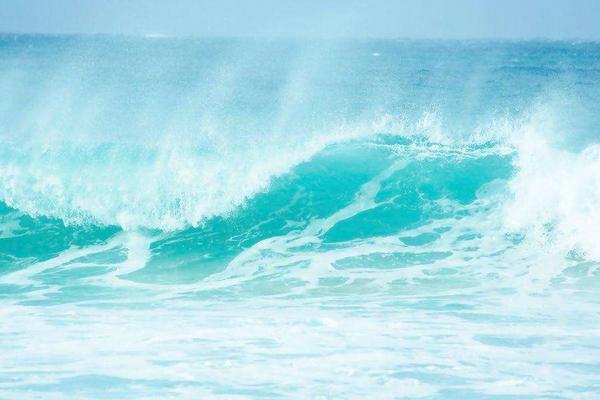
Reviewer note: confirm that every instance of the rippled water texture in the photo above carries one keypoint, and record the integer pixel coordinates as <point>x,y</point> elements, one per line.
<point>185,219</point>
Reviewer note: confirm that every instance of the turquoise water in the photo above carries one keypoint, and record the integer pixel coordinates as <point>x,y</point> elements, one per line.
<point>227,218</point>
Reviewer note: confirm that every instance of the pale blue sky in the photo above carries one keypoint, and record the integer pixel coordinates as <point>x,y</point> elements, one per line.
<point>555,19</point>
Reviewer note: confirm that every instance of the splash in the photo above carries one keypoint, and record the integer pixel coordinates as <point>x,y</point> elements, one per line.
<point>555,192</point>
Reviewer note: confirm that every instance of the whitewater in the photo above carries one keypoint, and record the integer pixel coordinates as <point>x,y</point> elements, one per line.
<point>186,218</point>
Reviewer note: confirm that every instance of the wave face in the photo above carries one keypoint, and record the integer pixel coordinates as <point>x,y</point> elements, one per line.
<point>260,219</point>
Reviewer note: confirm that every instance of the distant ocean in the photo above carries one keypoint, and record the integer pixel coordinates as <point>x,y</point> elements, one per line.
<point>330,219</point>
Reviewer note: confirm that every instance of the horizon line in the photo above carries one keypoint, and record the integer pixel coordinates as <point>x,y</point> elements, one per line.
<point>156,35</point>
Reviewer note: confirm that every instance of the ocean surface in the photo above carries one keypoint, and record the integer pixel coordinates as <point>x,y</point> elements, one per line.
<point>190,218</point>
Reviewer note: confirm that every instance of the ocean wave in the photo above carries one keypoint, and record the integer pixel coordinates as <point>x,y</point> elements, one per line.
<point>549,194</point>
<point>185,209</point>
<point>166,185</point>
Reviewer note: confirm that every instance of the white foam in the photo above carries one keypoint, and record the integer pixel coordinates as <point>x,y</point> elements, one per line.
<point>555,192</point>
